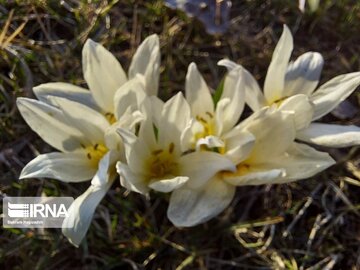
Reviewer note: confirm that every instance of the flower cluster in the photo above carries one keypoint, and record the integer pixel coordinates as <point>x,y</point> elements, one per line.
<point>194,146</point>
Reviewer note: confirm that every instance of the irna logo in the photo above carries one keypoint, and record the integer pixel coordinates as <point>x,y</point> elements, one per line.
<point>34,210</point>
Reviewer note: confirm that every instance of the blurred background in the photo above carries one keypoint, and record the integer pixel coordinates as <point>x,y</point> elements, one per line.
<point>311,224</point>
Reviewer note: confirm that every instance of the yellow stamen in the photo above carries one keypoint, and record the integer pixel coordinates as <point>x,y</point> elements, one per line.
<point>222,150</point>
<point>95,152</point>
<point>110,117</point>
<point>208,124</point>
<point>161,162</point>
<point>209,129</point>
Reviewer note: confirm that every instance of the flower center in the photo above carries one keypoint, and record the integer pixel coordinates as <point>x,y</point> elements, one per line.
<point>161,162</point>
<point>110,117</point>
<point>95,152</point>
<point>209,129</point>
<point>208,124</point>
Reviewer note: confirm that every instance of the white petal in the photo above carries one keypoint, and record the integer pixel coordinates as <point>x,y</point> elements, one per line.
<point>274,132</point>
<point>201,166</point>
<point>275,77</point>
<point>220,112</point>
<point>146,61</point>
<point>302,107</point>
<point>330,135</point>
<point>157,105</point>
<point>175,117</point>
<point>300,162</point>
<point>209,142</point>
<point>103,74</point>
<point>257,175</point>
<point>197,92</point>
<point>190,207</point>
<point>91,123</point>
<point>253,95</point>
<point>254,117</point>
<point>188,136</point>
<point>130,94</point>
<point>81,212</point>
<point>50,124</point>
<point>168,185</point>
<point>129,120</point>
<point>137,151</point>
<point>303,75</point>
<point>230,65</point>
<point>235,92</point>
<point>106,168</point>
<point>66,167</point>
<point>302,5</point>
<point>332,93</point>
<point>128,138</point>
<point>239,146</point>
<point>147,133</point>
<point>148,110</point>
<point>131,180</point>
<point>65,90</point>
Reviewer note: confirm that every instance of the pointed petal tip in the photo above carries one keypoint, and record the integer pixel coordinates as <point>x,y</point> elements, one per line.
<point>153,38</point>
<point>286,28</point>
<point>24,100</point>
<point>317,55</point>
<point>179,96</point>
<point>19,101</point>
<point>90,43</point>
<point>74,243</point>
<point>23,175</point>
<point>89,46</point>
<point>286,34</point>
<point>192,66</point>
<point>228,64</point>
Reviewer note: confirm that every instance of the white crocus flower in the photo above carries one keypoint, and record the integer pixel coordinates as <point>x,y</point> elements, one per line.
<point>291,85</point>
<point>274,158</point>
<point>154,157</point>
<point>212,130</point>
<point>211,125</point>
<point>112,94</point>
<point>106,78</point>
<point>86,152</point>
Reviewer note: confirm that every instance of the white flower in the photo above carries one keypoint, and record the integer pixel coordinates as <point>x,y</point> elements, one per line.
<point>88,151</point>
<point>274,158</point>
<point>291,87</point>
<point>211,130</point>
<point>211,124</point>
<point>154,158</point>
<point>77,115</point>
<point>106,78</point>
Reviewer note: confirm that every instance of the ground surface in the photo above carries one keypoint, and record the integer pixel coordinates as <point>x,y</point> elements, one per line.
<point>311,224</point>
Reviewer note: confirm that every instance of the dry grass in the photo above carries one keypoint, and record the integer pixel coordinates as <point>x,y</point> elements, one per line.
<point>311,224</point>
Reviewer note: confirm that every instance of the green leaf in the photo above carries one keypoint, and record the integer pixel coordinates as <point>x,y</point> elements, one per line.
<point>218,92</point>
